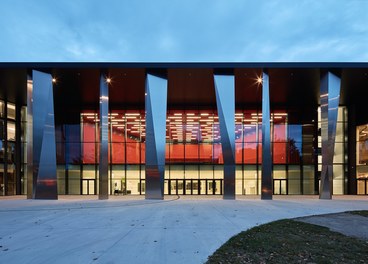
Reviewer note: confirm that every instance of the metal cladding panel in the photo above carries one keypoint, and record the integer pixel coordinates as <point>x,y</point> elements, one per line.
<point>44,148</point>
<point>156,105</point>
<point>225,100</point>
<point>266,189</point>
<point>104,137</point>
<point>330,97</point>
<point>29,138</point>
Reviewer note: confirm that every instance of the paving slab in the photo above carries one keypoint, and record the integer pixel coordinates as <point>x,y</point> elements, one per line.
<point>344,223</point>
<point>133,230</point>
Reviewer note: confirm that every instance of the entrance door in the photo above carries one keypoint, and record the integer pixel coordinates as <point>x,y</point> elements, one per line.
<point>176,187</point>
<point>88,186</point>
<point>280,187</point>
<point>218,186</point>
<point>191,187</point>
<point>195,186</point>
<point>204,187</point>
<point>362,185</point>
<point>180,187</point>
<point>210,187</point>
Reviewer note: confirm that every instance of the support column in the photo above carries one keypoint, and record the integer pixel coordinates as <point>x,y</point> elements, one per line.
<point>352,144</point>
<point>18,148</point>
<point>104,138</point>
<point>330,97</point>
<point>156,101</point>
<point>41,147</point>
<point>266,188</point>
<point>29,138</point>
<point>225,100</point>
<point>5,146</point>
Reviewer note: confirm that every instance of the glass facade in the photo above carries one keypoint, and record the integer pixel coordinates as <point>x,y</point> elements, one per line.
<point>194,162</point>
<point>362,159</point>
<point>12,149</point>
<point>340,159</point>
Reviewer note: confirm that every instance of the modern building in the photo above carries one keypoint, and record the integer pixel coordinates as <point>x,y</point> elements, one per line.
<point>158,129</point>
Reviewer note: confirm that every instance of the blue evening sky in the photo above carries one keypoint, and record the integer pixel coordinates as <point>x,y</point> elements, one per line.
<point>186,30</point>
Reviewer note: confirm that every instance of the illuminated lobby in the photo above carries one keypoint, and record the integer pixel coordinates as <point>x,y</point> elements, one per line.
<point>156,129</point>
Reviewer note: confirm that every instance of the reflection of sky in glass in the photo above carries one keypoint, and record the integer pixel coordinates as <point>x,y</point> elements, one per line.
<point>295,133</point>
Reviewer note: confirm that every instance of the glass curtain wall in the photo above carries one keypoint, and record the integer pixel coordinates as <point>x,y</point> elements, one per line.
<point>194,162</point>
<point>362,159</point>
<point>340,158</point>
<point>193,153</point>
<point>9,123</point>
<point>126,152</point>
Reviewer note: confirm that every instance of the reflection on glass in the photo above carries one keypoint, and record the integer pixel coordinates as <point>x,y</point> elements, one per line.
<point>193,150</point>
<point>2,130</point>
<point>11,110</point>
<point>279,153</point>
<point>11,131</point>
<point>2,108</point>
<point>295,133</point>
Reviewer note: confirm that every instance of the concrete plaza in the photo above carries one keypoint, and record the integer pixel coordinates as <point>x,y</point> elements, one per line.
<point>129,229</point>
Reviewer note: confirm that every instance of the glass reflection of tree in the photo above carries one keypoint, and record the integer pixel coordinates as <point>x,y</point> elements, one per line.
<point>294,152</point>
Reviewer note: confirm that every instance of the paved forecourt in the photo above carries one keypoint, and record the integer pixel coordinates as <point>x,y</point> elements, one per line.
<point>129,229</point>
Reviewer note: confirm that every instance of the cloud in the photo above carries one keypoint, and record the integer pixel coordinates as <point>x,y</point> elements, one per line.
<point>208,30</point>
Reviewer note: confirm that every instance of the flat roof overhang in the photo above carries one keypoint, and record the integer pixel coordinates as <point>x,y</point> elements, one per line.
<point>166,65</point>
<point>292,84</point>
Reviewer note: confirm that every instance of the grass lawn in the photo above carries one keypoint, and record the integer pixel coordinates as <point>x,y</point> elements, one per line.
<point>289,241</point>
<point>362,213</point>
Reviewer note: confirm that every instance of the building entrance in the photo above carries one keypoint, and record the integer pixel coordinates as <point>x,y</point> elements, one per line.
<point>280,186</point>
<point>195,187</point>
<point>362,186</point>
<point>88,186</point>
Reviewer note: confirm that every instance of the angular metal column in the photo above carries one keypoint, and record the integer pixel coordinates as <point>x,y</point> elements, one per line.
<point>29,137</point>
<point>330,97</point>
<point>42,179</point>
<point>225,100</point>
<point>156,100</point>
<point>266,188</point>
<point>104,137</point>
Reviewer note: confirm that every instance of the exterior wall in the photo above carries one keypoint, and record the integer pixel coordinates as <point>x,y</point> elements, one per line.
<point>193,152</point>
<point>12,141</point>
<point>194,161</point>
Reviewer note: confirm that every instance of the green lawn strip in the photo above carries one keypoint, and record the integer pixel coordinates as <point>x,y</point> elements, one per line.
<point>361,213</point>
<point>289,241</point>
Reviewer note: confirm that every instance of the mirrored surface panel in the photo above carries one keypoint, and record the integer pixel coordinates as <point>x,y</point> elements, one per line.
<point>104,137</point>
<point>156,98</point>
<point>330,97</point>
<point>225,100</point>
<point>266,189</point>
<point>44,148</point>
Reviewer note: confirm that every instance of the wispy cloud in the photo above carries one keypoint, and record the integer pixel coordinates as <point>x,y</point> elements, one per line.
<point>208,30</point>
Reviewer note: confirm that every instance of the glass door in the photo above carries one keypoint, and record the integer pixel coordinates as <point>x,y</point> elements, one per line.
<point>280,187</point>
<point>195,187</point>
<point>180,187</point>
<point>88,186</point>
<point>204,187</point>
<point>217,187</point>
<point>362,185</point>
<point>173,187</point>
